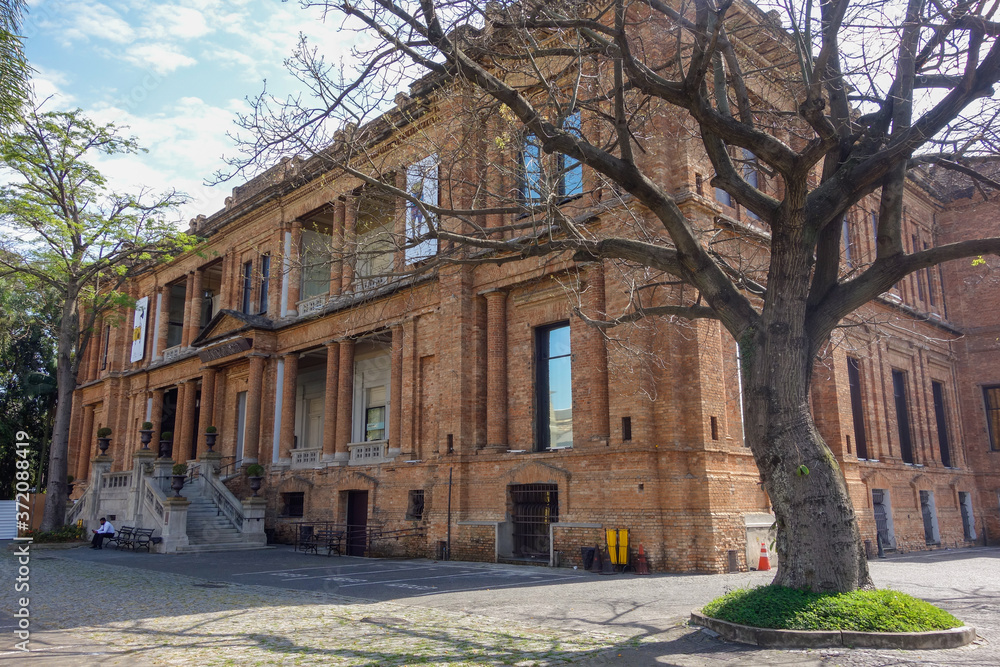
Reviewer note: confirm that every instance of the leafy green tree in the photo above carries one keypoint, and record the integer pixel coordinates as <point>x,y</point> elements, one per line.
<point>15,71</point>
<point>71,233</point>
<point>27,377</point>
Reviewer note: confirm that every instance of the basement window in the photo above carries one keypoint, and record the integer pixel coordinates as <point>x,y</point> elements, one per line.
<point>415,506</point>
<point>293,504</point>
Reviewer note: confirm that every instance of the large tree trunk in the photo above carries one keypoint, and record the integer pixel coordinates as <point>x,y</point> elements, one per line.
<point>57,490</point>
<point>818,541</point>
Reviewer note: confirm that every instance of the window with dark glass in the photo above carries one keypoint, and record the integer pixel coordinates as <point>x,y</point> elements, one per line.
<point>293,503</point>
<point>107,343</point>
<point>857,407</point>
<point>553,387</point>
<point>247,286</point>
<point>902,416</point>
<point>937,390</point>
<point>992,397</point>
<point>175,313</point>
<point>750,175</point>
<point>415,505</point>
<point>265,281</point>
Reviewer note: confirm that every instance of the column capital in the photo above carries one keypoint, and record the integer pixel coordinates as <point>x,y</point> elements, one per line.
<point>331,342</point>
<point>493,292</point>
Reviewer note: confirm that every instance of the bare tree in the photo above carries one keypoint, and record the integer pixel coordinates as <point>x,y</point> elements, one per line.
<point>802,113</point>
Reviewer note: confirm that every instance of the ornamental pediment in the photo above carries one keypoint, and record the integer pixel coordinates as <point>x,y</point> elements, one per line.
<point>229,323</point>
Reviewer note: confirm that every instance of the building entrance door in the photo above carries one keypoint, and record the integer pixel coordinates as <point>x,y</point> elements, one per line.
<point>357,522</point>
<point>535,506</point>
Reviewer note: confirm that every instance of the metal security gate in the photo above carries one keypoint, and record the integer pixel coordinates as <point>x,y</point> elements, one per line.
<point>881,517</point>
<point>535,506</point>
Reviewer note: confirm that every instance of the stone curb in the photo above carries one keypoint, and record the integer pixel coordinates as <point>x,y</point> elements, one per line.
<point>769,638</point>
<point>43,546</point>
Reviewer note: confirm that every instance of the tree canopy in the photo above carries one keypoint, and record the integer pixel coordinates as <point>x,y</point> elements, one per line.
<point>78,239</point>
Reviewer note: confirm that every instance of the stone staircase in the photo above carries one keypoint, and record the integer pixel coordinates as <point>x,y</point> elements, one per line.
<point>208,529</point>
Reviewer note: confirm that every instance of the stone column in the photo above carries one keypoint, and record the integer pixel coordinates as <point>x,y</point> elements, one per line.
<point>162,323</point>
<point>156,416</point>
<point>330,401</point>
<point>496,369</point>
<point>286,439</point>
<point>207,407</point>
<point>350,223</point>
<point>396,391</point>
<point>295,269</point>
<point>345,399</point>
<point>186,408</point>
<point>195,305</point>
<point>86,444</point>
<point>174,531</point>
<point>188,298</point>
<point>251,440</point>
<point>337,265</point>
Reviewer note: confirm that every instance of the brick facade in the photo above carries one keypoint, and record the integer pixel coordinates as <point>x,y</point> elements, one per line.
<point>388,389</point>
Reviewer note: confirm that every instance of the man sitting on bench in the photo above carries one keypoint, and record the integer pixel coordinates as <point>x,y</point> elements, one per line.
<point>104,532</point>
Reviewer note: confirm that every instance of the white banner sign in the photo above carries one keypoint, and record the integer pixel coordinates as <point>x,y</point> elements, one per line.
<point>139,328</point>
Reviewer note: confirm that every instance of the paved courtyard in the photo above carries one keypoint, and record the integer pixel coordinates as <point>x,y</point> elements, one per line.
<point>277,606</point>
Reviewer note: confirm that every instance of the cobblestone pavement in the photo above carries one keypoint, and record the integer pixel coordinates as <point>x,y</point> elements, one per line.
<point>86,611</point>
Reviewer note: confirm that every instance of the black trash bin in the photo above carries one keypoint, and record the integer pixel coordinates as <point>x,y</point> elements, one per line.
<point>587,553</point>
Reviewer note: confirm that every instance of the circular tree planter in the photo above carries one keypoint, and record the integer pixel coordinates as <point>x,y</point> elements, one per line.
<point>771,638</point>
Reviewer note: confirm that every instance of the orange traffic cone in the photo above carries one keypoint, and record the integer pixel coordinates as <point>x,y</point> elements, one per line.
<point>764,564</point>
<point>642,567</point>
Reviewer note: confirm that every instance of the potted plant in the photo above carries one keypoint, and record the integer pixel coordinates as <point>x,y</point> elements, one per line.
<point>179,474</point>
<point>165,443</point>
<point>103,439</point>
<point>146,434</point>
<point>211,433</point>
<point>255,473</point>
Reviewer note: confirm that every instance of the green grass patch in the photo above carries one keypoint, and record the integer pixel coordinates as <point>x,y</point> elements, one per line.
<point>864,611</point>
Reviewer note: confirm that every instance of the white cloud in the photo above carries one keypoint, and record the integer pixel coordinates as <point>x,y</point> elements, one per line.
<point>52,84</point>
<point>161,58</point>
<point>89,20</point>
<point>164,22</point>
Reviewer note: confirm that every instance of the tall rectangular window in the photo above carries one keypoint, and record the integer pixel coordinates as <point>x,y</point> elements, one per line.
<point>847,244</point>
<point>919,275</point>
<point>857,407</point>
<point>247,286</point>
<point>992,397</point>
<point>175,313</point>
<point>553,387</point>
<point>316,257</point>
<point>107,344</point>
<point>937,389</point>
<point>902,416</point>
<point>571,178</point>
<point>532,173</point>
<point>421,184</point>
<point>750,175</point>
<point>265,283</point>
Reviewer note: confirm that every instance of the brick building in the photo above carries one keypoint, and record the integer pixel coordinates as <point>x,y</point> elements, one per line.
<point>469,403</point>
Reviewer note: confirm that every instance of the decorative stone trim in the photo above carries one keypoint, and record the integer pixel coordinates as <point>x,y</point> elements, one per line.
<point>368,453</point>
<point>770,638</point>
<point>306,458</point>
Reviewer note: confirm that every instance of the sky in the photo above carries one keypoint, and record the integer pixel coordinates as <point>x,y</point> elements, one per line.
<point>176,72</point>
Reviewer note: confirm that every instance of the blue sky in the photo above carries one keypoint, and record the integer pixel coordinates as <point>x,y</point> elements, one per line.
<point>175,72</point>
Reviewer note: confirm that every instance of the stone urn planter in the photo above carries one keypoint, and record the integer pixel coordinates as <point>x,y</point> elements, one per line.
<point>177,478</point>
<point>166,444</point>
<point>103,439</point>
<point>255,475</point>
<point>211,433</point>
<point>146,434</point>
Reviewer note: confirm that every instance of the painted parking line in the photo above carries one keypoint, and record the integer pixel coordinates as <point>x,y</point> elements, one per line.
<point>480,588</point>
<point>443,576</point>
<point>333,571</point>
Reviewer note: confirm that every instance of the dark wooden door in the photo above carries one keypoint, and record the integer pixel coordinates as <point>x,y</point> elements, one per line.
<point>357,522</point>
